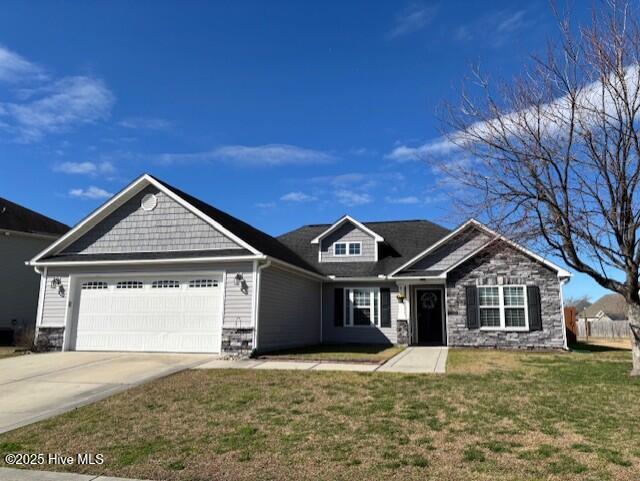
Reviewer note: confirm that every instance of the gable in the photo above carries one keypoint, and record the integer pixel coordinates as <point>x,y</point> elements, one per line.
<point>347,233</point>
<point>168,227</point>
<point>449,254</point>
<point>500,262</point>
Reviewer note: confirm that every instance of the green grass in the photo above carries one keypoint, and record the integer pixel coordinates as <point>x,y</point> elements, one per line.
<point>371,353</point>
<point>497,416</point>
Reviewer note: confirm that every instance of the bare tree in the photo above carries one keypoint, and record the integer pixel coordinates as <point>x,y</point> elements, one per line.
<point>553,156</point>
<point>580,303</point>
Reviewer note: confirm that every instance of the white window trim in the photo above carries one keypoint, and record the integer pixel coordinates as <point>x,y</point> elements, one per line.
<point>501,307</point>
<point>348,307</point>
<point>347,245</point>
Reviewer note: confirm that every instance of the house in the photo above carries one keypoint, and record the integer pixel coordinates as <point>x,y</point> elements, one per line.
<point>23,233</point>
<point>610,307</point>
<point>155,269</point>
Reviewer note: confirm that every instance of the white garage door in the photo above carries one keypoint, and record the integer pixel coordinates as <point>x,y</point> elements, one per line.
<point>156,314</point>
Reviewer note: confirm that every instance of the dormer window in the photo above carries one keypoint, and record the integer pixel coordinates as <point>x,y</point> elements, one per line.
<point>347,248</point>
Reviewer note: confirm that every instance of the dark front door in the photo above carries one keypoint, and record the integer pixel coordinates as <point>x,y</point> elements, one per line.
<point>429,315</point>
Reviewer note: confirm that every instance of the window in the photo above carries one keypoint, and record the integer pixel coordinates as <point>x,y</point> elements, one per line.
<point>165,284</point>
<point>362,307</point>
<point>196,283</point>
<point>503,307</point>
<point>129,285</point>
<point>347,248</point>
<point>94,285</point>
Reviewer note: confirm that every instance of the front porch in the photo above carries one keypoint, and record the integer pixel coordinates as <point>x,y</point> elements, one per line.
<point>421,318</point>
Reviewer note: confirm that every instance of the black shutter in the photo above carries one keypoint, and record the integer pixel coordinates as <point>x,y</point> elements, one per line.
<point>338,299</point>
<point>385,307</point>
<point>535,308</point>
<point>472,307</point>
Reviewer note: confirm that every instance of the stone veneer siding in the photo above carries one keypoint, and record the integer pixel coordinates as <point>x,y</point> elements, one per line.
<point>49,339</point>
<point>237,341</point>
<point>403,332</point>
<point>502,264</point>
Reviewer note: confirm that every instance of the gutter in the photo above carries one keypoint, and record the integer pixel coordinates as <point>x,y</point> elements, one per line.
<point>148,261</point>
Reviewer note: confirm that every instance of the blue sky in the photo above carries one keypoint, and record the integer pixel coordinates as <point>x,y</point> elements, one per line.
<point>281,113</point>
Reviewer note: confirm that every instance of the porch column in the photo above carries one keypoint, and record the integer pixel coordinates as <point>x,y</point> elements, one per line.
<point>403,318</point>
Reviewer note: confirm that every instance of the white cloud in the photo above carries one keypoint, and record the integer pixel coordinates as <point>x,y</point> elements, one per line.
<point>412,199</point>
<point>68,102</point>
<point>413,18</point>
<point>14,68</point>
<point>297,197</point>
<point>360,151</point>
<point>359,180</point>
<point>145,123</point>
<point>350,198</point>
<point>86,168</point>
<point>494,28</point>
<point>91,192</point>
<point>266,205</point>
<point>404,153</point>
<point>262,155</point>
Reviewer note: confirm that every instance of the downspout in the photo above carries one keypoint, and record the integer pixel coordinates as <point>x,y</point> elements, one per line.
<point>564,325</point>
<point>257,305</point>
<point>321,309</point>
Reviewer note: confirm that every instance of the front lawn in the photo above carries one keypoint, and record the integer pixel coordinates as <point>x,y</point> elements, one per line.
<point>370,353</point>
<point>495,416</point>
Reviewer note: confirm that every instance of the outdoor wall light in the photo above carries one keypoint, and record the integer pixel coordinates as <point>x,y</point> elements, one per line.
<point>239,281</point>
<point>56,283</point>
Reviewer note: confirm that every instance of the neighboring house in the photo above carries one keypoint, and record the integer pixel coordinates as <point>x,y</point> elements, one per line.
<point>610,307</point>
<point>23,233</point>
<point>155,269</point>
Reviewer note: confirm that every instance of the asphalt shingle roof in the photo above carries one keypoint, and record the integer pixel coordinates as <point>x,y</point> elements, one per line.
<point>20,219</point>
<point>613,305</point>
<point>404,240</point>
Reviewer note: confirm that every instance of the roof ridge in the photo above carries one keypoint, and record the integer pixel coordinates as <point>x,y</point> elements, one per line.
<point>371,222</point>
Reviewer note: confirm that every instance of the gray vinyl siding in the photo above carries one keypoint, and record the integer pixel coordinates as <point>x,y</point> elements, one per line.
<point>168,227</point>
<point>54,304</point>
<point>19,283</point>
<point>451,252</point>
<point>348,233</point>
<point>289,314</point>
<point>238,304</point>
<point>366,335</point>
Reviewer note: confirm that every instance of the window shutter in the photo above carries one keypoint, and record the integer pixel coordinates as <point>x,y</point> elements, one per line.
<point>472,308</point>
<point>535,308</point>
<point>385,307</point>
<point>338,300</point>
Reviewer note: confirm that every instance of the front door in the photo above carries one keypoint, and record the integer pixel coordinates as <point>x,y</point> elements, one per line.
<point>429,315</point>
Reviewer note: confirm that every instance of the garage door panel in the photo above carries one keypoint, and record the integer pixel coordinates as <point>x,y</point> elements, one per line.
<point>147,318</point>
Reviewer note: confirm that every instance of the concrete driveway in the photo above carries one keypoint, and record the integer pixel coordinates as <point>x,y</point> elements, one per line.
<point>39,386</point>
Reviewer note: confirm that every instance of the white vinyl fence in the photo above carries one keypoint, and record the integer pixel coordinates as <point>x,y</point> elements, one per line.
<point>604,329</point>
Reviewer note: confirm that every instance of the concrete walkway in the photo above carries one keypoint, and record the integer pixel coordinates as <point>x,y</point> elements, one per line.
<point>39,386</point>
<point>418,359</point>
<point>10,474</point>
<point>414,359</point>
